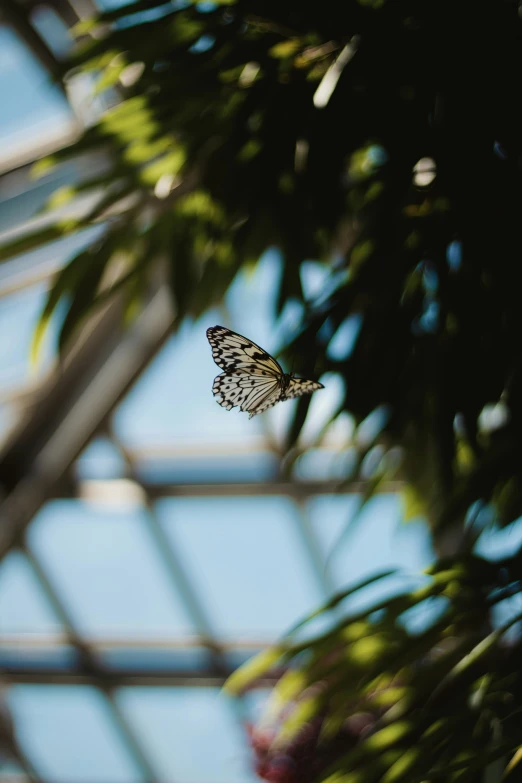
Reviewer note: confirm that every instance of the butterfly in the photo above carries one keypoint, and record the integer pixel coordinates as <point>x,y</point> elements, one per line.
<point>251,378</point>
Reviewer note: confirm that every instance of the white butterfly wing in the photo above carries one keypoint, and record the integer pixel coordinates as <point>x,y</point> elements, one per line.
<point>252,379</point>
<point>299,386</point>
<point>252,393</point>
<point>235,354</point>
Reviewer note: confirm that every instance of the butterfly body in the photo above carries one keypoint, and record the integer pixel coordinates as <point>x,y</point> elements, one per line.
<point>251,378</point>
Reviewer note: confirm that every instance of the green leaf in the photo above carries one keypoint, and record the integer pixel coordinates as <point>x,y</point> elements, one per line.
<point>110,198</point>
<point>413,504</point>
<point>30,240</point>
<point>215,279</point>
<point>403,767</point>
<point>182,272</point>
<point>111,73</point>
<point>389,736</point>
<point>347,777</point>
<point>255,668</point>
<point>78,283</point>
<point>285,49</point>
<point>368,651</point>
<point>389,696</point>
<point>171,163</point>
<point>82,301</point>
<point>64,283</point>
<point>288,688</point>
<point>514,762</point>
<point>43,166</point>
<point>341,596</point>
<point>479,651</point>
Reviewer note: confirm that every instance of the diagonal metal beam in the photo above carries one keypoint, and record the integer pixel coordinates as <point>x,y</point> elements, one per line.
<point>91,671</point>
<point>72,408</point>
<point>179,579</point>
<point>10,749</point>
<point>182,585</point>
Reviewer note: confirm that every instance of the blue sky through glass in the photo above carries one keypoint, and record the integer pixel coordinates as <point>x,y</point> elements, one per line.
<point>247,560</point>
<point>23,607</point>
<point>377,539</point>
<point>173,401</point>
<point>105,567</point>
<point>69,734</point>
<point>32,107</point>
<point>190,732</point>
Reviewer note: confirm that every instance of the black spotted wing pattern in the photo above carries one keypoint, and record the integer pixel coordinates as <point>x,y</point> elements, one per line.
<point>234,353</point>
<point>252,379</point>
<point>299,386</point>
<point>252,393</point>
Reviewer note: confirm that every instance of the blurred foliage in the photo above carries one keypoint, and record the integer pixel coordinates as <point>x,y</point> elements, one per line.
<point>382,139</point>
<point>373,698</point>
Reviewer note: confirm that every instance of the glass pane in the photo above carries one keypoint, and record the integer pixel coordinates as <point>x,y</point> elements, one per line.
<point>209,468</point>
<point>23,606</point>
<point>100,460</point>
<point>255,702</point>
<point>356,547</point>
<point>246,559</point>
<point>52,29</point>
<point>33,108</point>
<point>191,734</point>
<point>251,299</point>
<point>173,400</point>
<point>68,734</point>
<point>324,464</point>
<point>107,571</point>
<point>21,306</point>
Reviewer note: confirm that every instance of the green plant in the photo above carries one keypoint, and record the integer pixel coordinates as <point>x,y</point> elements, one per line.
<point>384,140</point>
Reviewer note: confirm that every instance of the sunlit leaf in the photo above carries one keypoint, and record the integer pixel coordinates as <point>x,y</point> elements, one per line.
<point>64,283</point>
<point>291,684</point>
<point>413,504</point>
<point>285,48</point>
<point>389,736</point>
<point>170,163</point>
<point>514,761</point>
<point>255,668</point>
